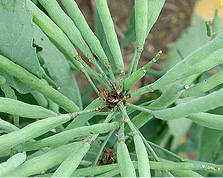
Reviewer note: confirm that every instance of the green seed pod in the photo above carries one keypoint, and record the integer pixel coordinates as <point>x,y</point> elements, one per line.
<point>12,163</point>
<point>124,161</point>
<point>2,80</point>
<point>196,105</point>
<point>216,25</point>
<point>45,161</point>
<point>168,97</point>
<point>67,25</point>
<point>55,34</point>
<point>32,130</point>
<point>19,108</point>
<point>137,75</point>
<point>205,85</point>
<point>212,121</point>
<point>79,20</point>
<point>66,136</point>
<point>51,30</point>
<point>41,100</point>
<point>111,37</point>
<point>111,173</point>
<point>141,20</point>
<point>187,173</point>
<point>199,61</point>
<point>34,82</point>
<point>7,126</point>
<point>72,162</point>
<point>142,157</point>
<point>82,172</point>
<point>208,28</point>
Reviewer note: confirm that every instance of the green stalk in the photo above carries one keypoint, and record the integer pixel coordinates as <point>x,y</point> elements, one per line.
<point>164,165</point>
<point>137,75</point>
<point>139,108</point>
<point>86,74</point>
<point>103,81</point>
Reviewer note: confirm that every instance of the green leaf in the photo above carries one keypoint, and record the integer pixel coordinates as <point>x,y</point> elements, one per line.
<point>57,66</point>
<point>16,35</point>
<point>192,38</point>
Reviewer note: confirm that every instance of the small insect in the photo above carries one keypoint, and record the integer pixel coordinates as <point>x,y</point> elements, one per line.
<point>108,156</point>
<point>111,98</point>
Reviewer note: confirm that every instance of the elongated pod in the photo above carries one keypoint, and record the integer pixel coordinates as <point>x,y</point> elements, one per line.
<point>36,83</point>
<point>79,20</point>
<point>32,130</point>
<point>45,161</point>
<point>204,58</point>
<point>67,25</point>
<point>72,162</point>
<point>7,126</point>
<point>124,161</point>
<point>141,21</point>
<point>194,61</point>
<point>196,105</point>
<point>212,121</point>
<point>66,136</point>
<point>12,163</point>
<point>142,157</point>
<point>111,37</point>
<point>205,85</point>
<point>51,30</point>
<point>137,75</point>
<point>19,108</point>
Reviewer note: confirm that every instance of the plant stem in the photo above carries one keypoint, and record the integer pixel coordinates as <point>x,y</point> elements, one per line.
<point>92,72</point>
<point>139,108</point>
<point>179,158</point>
<point>98,67</point>
<point>73,115</point>
<point>142,90</point>
<point>85,73</point>
<point>135,60</point>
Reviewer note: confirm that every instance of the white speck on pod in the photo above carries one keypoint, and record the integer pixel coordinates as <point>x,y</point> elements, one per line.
<point>23,5</point>
<point>58,88</point>
<point>186,86</point>
<point>203,166</point>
